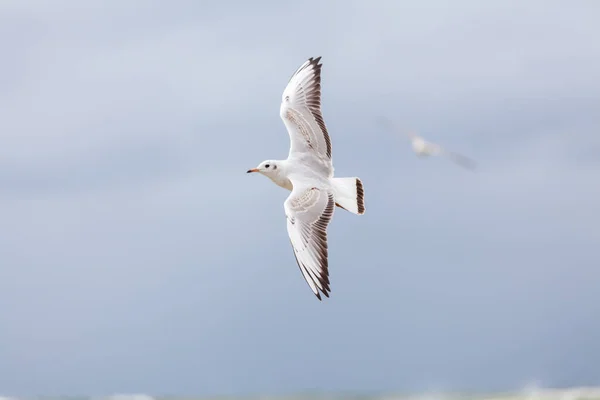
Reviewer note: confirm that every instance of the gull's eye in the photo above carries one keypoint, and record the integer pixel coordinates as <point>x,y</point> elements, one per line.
<point>267,166</point>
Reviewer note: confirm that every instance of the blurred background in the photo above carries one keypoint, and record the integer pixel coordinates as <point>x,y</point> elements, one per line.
<point>137,256</point>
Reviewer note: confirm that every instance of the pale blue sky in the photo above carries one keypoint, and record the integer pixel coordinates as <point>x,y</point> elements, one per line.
<point>136,255</point>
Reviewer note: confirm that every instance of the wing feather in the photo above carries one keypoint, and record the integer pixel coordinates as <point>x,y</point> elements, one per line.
<point>309,212</point>
<point>301,113</point>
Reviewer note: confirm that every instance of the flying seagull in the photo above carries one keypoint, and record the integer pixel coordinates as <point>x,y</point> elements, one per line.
<point>308,174</point>
<point>423,148</point>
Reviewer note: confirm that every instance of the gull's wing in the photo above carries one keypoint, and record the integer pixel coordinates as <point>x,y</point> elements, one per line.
<point>301,113</point>
<point>461,160</point>
<point>309,211</point>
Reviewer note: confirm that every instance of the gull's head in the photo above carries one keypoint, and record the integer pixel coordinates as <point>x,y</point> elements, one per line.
<point>268,168</point>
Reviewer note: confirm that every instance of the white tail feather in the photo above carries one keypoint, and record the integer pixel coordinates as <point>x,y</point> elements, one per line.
<point>349,194</point>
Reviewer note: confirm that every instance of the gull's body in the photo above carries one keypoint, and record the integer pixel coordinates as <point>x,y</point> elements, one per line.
<point>424,148</point>
<point>308,174</point>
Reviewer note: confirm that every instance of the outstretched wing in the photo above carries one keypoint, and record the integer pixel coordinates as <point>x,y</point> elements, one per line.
<point>309,211</point>
<point>461,160</point>
<point>301,113</point>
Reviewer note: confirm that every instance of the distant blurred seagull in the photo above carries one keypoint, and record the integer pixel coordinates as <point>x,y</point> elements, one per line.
<point>308,173</point>
<point>423,148</point>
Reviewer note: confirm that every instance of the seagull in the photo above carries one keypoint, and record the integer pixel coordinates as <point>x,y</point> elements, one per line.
<point>308,174</point>
<point>423,148</point>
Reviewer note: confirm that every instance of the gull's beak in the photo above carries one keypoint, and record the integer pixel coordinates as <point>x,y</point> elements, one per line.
<point>252,170</point>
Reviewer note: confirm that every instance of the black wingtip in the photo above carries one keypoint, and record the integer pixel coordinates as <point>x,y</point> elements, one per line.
<point>318,294</point>
<point>315,60</point>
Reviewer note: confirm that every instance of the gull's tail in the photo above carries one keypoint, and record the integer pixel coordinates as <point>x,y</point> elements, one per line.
<point>349,194</point>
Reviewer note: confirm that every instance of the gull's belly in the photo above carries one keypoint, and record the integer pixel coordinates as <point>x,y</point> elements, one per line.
<point>310,166</point>
<point>311,179</point>
<point>284,183</point>
<point>310,171</point>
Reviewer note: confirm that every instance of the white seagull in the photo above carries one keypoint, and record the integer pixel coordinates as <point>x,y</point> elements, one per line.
<point>308,174</point>
<point>423,148</point>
